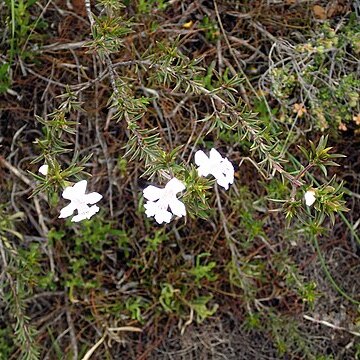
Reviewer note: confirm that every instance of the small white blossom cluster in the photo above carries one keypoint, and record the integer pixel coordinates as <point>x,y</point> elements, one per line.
<point>221,168</point>
<point>160,200</point>
<point>79,201</point>
<point>161,204</point>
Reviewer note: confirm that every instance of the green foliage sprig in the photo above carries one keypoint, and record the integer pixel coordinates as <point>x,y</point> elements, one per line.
<point>17,289</point>
<point>52,146</point>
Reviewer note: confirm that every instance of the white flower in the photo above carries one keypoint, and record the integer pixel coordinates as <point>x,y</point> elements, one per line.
<point>79,201</point>
<point>309,197</point>
<point>43,169</point>
<point>221,168</point>
<point>161,199</point>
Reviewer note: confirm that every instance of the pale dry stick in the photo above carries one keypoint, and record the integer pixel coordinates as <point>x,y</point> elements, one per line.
<point>43,229</point>
<point>89,13</point>
<point>234,73</point>
<point>220,57</point>
<point>257,26</point>
<point>63,12</point>
<point>56,341</point>
<point>80,100</point>
<point>255,165</point>
<point>105,74</point>
<point>103,142</point>
<point>64,46</point>
<point>30,238</point>
<point>190,139</point>
<point>44,295</point>
<point>230,239</point>
<point>2,251</point>
<point>46,79</point>
<point>125,328</point>
<point>112,111</point>
<point>233,55</point>
<point>72,331</point>
<point>205,127</point>
<point>248,45</point>
<point>45,232</point>
<point>91,351</point>
<point>18,174</point>
<point>94,348</point>
<point>44,97</point>
<point>34,26</point>
<point>178,106</point>
<point>148,92</point>
<point>188,322</point>
<point>13,142</point>
<point>111,74</point>
<point>14,93</point>
<point>69,5</point>
<point>15,171</point>
<point>330,325</point>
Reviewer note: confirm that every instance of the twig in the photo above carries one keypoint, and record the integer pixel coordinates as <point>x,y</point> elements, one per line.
<point>72,330</point>
<point>235,58</point>
<point>89,13</point>
<point>15,171</point>
<point>65,46</point>
<point>330,325</point>
<point>18,174</point>
<point>108,332</point>
<point>45,232</point>
<point>93,349</point>
<point>103,144</point>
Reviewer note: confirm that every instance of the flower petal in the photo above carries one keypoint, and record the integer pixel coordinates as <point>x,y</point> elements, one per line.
<point>150,208</point>
<point>43,169</point>
<point>163,216</point>
<point>152,193</point>
<point>68,193</point>
<point>92,198</point>
<point>174,186</point>
<point>67,211</point>
<point>159,212</point>
<point>85,213</point>
<point>92,211</point>
<point>177,207</point>
<point>79,217</point>
<point>215,156</point>
<point>228,170</point>
<point>310,197</point>
<point>223,182</point>
<point>80,187</point>
<point>201,158</point>
<point>76,191</point>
